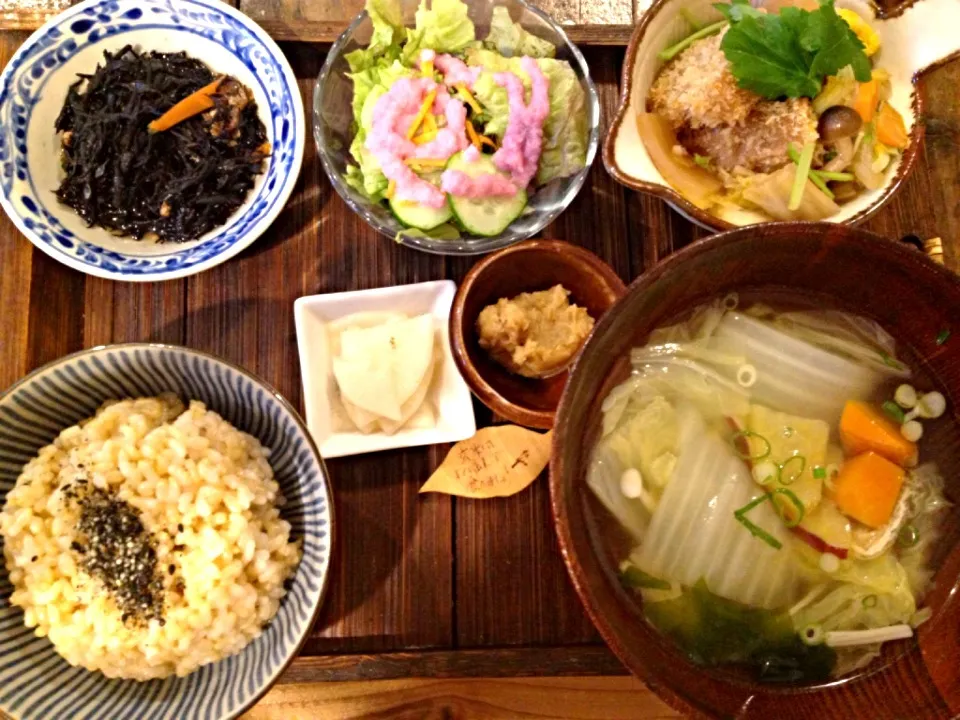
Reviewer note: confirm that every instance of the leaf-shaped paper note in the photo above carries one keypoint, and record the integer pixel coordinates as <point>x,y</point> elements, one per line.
<point>496,462</point>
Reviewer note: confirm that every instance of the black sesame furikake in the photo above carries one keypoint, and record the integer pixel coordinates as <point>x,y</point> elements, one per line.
<point>174,185</point>
<point>113,547</point>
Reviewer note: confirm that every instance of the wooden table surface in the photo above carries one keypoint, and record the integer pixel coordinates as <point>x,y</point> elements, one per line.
<point>432,587</point>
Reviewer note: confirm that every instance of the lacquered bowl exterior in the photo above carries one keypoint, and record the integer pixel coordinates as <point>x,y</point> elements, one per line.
<point>527,267</point>
<point>911,297</point>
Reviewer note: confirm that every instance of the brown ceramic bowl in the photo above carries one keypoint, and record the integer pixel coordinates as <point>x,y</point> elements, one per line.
<point>525,267</point>
<point>914,299</point>
<point>916,35</point>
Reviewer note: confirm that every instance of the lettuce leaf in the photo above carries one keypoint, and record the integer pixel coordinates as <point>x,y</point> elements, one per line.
<point>565,129</point>
<point>510,39</point>
<point>445,27</point>
<point>366,178</point>
<point>388,31</point>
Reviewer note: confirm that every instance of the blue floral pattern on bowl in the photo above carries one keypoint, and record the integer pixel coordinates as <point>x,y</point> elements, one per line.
<point>48,53</point>
<point>35,682</point>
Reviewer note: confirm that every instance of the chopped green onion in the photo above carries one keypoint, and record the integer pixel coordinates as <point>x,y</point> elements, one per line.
<point>818,181</point>
<point>800,179</point>
<point>702,160</point>
<point>707,31</point>
<point>943,336</point>
<point>890,362</point>
<point>691,21</point>
<point>833,176</point>
<point>789,479</point>
<point>894,411</point>
<point>746,435</point>
<point>819,472</point>
<point>908,536</point>
<point>754,529</point>
<point>792,497</point>
<point>633,577</point>
<point>813,634</point>
<point>870,601</point>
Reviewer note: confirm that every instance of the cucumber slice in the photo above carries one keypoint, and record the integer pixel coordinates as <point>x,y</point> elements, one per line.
<point>369,107</point>
<point>420,216</point>
<point>484,216</point>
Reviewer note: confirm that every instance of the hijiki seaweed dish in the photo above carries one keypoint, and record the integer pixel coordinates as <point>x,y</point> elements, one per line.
<point>156,146</point>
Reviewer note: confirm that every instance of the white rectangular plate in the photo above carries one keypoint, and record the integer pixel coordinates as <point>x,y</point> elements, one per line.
<point>449,394</point>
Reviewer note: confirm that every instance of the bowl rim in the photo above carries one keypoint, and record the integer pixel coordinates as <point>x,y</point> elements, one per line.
<point>706,219</point>
<point>301,425</point>
<point>461,246</point>
<point>488,395</point>
<point>562,507</point>
<point>261,226</point>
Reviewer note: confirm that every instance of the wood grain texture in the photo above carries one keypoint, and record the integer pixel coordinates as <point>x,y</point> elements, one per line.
<point>616,698</point>
<point>511,584</point>
<point>431,574</point>
<point>559,660</point>
<point>16,260</point>
<point>600,22</point>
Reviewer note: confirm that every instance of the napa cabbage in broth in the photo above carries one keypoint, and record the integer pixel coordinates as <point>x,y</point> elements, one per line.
<point>765,466</point>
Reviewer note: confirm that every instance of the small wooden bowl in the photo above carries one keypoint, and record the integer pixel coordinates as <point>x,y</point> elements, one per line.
<point>525,267</point>
<point>914,299</point>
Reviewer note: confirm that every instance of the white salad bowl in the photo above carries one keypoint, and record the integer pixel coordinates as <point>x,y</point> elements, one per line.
<point>333,130</point>
<point>35,83</point>
<point>916,37</point>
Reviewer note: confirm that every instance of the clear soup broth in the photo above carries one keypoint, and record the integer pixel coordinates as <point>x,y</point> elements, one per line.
<point>774,470</point>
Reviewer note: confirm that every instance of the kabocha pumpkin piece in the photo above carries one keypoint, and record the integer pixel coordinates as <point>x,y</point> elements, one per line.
<point>867,488</point>
<point>864,428</point>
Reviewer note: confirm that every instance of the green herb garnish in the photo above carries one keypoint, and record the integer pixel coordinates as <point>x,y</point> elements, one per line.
<point>703,161</point>
<point>633,578</point>
<point>746,435</point>
<point>890,362</point>
<point>943,336</point>
<point>788,478</point>
<point>870,601</point>
<point>790,53</point>
<point>908,536</point>
<point>819,473</point>
<point>674,50</point>
<point>792,497</point>
<point>754,529</point>
<point>801,175</point>
<point>894,411</point>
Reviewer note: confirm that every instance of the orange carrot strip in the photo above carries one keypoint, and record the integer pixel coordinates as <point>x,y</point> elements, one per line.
<point>891,130</point>
<point>193,104</point>
<point>472,136</point>
<point>865,103</point>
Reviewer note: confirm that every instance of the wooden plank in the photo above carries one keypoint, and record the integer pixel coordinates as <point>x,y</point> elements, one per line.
<point>565,660</point>
<point>328,14</point>
<point>594,698</point>
<point>327,31</point>
<point>512,586</point>
<point>29,14</point>
<point>391,585</point>
<point>134,312</point>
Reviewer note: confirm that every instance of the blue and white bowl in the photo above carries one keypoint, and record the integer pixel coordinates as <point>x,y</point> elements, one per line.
<point>35,682</point>
<point>34,85</point>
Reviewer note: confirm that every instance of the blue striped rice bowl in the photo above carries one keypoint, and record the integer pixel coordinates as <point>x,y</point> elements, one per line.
<point>35,682</point>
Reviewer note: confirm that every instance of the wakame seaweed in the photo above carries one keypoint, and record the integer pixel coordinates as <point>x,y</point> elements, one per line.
<point>713,631</point>
<point>171,186</point>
